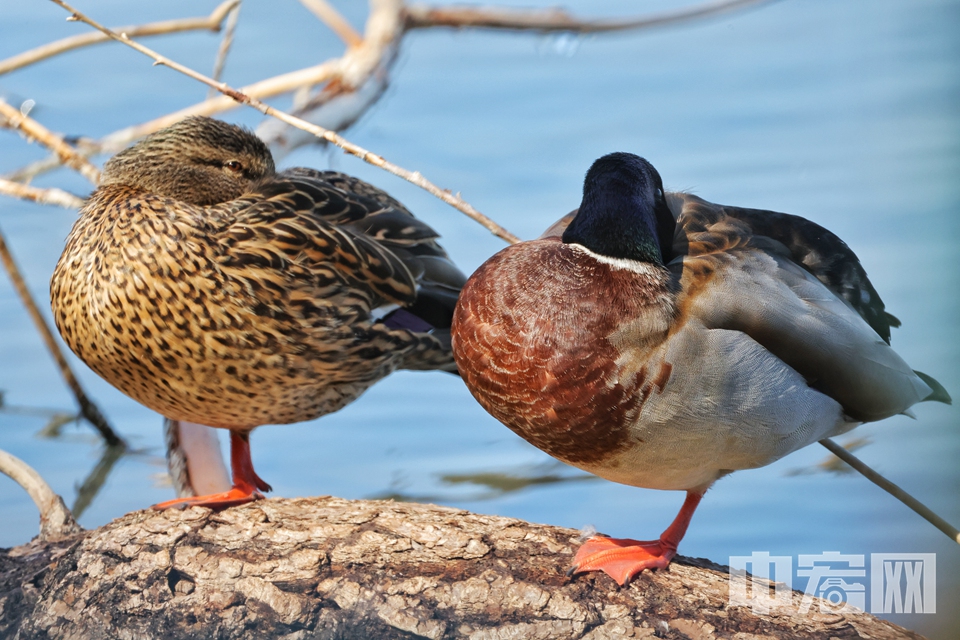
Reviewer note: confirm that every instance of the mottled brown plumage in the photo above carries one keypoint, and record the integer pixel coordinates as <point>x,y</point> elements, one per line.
<point>213,290</point>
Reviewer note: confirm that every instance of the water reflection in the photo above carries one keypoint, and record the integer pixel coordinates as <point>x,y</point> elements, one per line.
<point>53,429</point>
<point>56,418</point>
<point>489,484</point>
<point>96,479</point>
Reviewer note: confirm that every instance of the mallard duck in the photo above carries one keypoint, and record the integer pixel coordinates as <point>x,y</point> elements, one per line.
<point>661,341</point>
<point>214,290</point>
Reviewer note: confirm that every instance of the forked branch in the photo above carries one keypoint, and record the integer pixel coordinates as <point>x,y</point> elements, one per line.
<point>56,521</point>
<point>15,119</point>
<point>325,134</point>
<point>210,23</point>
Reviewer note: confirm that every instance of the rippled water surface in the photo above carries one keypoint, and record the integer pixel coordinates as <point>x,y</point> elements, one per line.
<point>844,112</point>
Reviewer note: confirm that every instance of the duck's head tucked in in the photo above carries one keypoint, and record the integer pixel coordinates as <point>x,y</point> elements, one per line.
<point>662,341</point>
<point>556,321</point>
<point>214,290</point>
<point>624,212</point>
<point>198,160</point>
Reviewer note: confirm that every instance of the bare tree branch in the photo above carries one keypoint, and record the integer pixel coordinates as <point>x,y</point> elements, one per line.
<point>12,118</point>
<point>358,78</point>
<point>924,511</point>
<point>332,18</point>
<point>56,197</point>
<point>367,156</point>
<point>56,521</point>
<point>210,23</point>
<point>545,20</point>
<point>34,169</point>
<point>263,89</point>
<point>361,79</point>
<point>332,568</point>
<point>342,101</point>
<point>233,17</point>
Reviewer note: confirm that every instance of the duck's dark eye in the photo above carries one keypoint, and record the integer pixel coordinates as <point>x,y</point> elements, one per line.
<point>659,193</point>
<point>233,165</point>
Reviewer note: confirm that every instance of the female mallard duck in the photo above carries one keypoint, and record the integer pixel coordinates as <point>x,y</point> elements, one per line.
<point>215,291</point>
<point>663,342</point>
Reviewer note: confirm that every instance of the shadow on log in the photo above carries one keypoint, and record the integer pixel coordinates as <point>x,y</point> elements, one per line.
<point>332,568</point>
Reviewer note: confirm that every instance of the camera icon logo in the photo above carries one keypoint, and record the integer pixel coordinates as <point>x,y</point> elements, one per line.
<point>839,596</point>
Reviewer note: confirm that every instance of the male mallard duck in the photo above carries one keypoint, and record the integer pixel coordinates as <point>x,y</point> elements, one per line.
<point>663,342</point>
<point>214,290</point>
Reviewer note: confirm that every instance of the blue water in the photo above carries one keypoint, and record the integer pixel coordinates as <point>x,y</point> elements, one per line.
<point>845,112</point>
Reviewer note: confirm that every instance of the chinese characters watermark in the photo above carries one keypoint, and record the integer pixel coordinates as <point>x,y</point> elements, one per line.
<point>836,582</point>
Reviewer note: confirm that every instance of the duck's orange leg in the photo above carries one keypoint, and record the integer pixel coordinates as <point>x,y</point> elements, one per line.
<point>245,481</point>
<point>622,558</point>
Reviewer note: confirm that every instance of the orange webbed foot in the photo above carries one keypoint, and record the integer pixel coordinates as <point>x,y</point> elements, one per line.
<point>215,501</point>
<point>245,481</point>
<point>621,558</point>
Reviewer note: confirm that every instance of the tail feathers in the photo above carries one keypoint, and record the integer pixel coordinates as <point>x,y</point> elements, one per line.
<point>939,394</point>
<point>443,335</point>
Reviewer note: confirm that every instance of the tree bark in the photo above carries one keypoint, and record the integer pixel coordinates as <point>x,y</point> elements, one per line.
<point>332,568</point>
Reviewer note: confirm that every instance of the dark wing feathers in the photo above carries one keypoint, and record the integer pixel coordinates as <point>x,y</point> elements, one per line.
<point>327,218</point>
<point>411,240</point>
<point>351,185</point>
<point>816,249</point>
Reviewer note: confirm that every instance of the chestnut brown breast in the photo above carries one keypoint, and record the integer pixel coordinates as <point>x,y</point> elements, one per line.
<point>540,350</point>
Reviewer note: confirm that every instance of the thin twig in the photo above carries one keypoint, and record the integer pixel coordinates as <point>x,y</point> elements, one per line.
<point>56,521</point>
<point>233,17</point>
<point>332,18</point>
<point>57,197</point>
<point>411,176</point>
<point>363,74</point>
<point>119,139</point>
<point>420,16</point>
<point>898,493</point>
<point>14,119</point>
<point>209,23</point>
<point>87,408</point>
<point>263,89</point>
<point>28,172</point>
<point>362,78</point>
<point>546,20</point>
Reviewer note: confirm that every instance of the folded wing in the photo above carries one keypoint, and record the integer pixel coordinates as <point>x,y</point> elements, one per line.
<point>801,293</point>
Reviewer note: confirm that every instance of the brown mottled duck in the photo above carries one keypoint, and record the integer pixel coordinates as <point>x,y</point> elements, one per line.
<point>214,290</point>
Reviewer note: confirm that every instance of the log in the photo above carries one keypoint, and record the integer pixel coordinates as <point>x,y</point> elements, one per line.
<point>332,568</point>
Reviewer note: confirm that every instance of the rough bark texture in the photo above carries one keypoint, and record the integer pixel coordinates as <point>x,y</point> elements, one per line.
<point>332,568</point>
